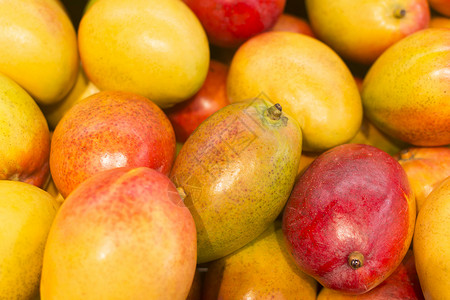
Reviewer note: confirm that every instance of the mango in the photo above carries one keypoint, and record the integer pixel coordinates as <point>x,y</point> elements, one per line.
<point>237,170</point>
<point>431,243</point>
<point>83,88</point>
<point>41,53</point>
<point>157,49</point>
<point>122,234</point>
<point>350,218</point>
<point>406,92</point>
<point>24,136</point>
<point>307,78</point>
<point>263,269</point>
<point>26,214</point>
<point>403,284</point>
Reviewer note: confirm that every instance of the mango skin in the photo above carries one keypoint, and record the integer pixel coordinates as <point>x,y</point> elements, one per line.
<point>263,269</point>
<point>441,6</point>
<point>107,130</point>
<point>154,48</point>
<point>406,93</point>
<point>403,284</point>
<point>83,88</point>
<point>351,198</point>
<point>426,168</point>
<point>24,136</point>
<point>307,78</point>
<point>237,170</point>
<point>431,244</point>
<point>42,54</point>
<point>123,234</point>
<point>362,31</point>
<point>438,21</point>
<point>26,214</point>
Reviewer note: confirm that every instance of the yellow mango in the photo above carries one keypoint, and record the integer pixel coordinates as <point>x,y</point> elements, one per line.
<point>41,53</point>
<point>26,214</point>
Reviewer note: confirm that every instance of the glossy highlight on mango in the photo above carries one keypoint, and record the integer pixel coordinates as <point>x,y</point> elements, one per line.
<point>307,78</point>
<point>237,170</point>
<point>39,48</point>
<point>122,234</point>
<point>406,92</point>
<point>350,218</point>
<point>157,49</point>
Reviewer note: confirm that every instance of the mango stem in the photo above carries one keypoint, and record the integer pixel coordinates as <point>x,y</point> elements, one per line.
<point>274,112</point>
<point>399,13</point>
<point>356,260</point>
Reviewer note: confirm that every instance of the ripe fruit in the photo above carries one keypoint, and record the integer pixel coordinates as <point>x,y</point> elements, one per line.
<point>26,214</point>
<point>287,22</point>
<point>439,22</point>
<point>262,269</point>
<point>406,91</point>
<point>237,170</point>
<point>441,6</point>
<point>24,136</point>
<point>122,234</point>
<point>403,284</point>
<point>432,243</point>
<point>187,115</point>
<point>154,48</point>
<point>350,218</point>
<point>307,78</point>
<point>83,88</point>
<point>41,53</point>
<point>360,32</point>
<point>426,168</point>
<point>230,23</point>
<point>109,130</point>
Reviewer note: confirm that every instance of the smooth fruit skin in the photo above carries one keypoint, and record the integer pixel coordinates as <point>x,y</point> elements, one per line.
<point>432,243</point>
<point>237,170</point>
<point>403,284</point>
<point>439,22</point>
<point>441,6</point>
<point>24,136</point>
<point>351,198</point>
<point>122,234</point>
<point>360,32</point>
<point>230,23</point>
<point>26,214</point>
<point>41,55</point>
<point>187,115</point>
<point>154,48</point>
<point>291,23</point>
<point>406,91</point>
<point>109,130</point>
<point>307,78</point>
<point>426,168</point>
<point>83,88</point>
<point>262,269</point>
